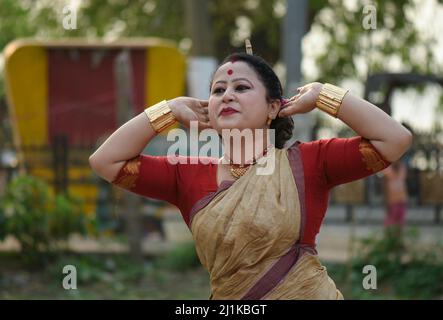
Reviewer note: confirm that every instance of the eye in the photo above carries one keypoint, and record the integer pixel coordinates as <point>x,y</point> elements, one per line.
<point>218,90</point>
<point>242,87</point>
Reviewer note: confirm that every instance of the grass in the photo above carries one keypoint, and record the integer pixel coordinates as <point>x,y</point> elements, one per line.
<point>178,275</point>
<point>100,277</point>
<point>350,284</point>
<point>120,277</point>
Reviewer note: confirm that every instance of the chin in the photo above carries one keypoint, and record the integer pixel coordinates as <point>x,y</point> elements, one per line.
<point>230,125</point>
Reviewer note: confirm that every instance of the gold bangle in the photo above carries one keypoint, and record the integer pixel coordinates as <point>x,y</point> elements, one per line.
<point>330,99</point>
<point>160,116</point>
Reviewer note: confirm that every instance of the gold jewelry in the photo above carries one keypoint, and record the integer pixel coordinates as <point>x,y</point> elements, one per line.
<point>269,121</point>
<point>248,47</point>
<point>238,170</point>
<point>330,99</point>
<point>160,116</point>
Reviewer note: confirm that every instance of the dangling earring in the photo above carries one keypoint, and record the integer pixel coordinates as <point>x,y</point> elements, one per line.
<point>269,121</point>
<point>248,46</point>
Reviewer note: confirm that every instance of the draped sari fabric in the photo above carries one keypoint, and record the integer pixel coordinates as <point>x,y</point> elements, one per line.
<point>247,236</point>
<point>256,236</point>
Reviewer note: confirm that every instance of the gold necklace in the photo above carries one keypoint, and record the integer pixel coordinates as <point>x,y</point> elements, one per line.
<point>238,170</point>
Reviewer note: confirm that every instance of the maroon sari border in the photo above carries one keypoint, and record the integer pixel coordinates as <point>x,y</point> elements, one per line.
<point>274,275</point>
<point>203,202</point>
<point>296,163</point>
<point>281,268</point>
<point>278,271</point>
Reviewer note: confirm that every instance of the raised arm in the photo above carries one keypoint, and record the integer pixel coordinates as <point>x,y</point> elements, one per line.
<point>131,138</point>
<point>125,143</point>
<point>388,136</point>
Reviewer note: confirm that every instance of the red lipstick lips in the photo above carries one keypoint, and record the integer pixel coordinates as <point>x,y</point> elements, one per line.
<point>227,111</point>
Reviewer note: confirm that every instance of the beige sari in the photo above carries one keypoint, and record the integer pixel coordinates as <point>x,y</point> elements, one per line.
<point>247,236</point>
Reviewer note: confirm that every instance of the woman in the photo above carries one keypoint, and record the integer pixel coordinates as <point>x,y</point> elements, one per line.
<point>396,198</point>
<point>255,233</point>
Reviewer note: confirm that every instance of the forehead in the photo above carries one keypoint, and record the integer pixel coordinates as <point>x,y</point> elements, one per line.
<point>235,70</point>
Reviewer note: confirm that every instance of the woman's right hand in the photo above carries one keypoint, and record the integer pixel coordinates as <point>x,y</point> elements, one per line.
<point>187,109</point>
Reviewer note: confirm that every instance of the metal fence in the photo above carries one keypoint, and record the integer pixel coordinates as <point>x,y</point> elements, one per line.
<point>65,167</point>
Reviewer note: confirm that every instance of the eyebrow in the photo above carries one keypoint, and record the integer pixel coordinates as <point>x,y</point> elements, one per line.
<point>234,80</point>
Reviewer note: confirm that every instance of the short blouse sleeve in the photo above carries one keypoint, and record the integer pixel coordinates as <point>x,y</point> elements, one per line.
<point>342,160</point>
<point>149,176</point>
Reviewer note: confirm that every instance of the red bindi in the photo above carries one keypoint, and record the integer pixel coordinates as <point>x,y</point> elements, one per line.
<point>230,71</point>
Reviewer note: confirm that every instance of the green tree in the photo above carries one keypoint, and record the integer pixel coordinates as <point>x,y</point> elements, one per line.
<point>40,221</point>
<point>396,37</point>
<point>346,39</point>
<point>349,51</point>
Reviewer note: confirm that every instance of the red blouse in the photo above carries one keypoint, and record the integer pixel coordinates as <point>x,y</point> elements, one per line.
<point>326,163</point>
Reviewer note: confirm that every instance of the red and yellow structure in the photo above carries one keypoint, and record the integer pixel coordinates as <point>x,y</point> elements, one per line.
<point>69,88</point>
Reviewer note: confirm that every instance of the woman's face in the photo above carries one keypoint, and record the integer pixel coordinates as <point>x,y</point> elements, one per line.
<point>238,98</point>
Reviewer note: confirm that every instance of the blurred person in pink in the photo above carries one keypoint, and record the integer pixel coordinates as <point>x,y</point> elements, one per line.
<point>396,194</point>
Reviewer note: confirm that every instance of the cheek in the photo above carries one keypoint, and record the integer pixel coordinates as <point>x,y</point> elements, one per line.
<point>258,117</point>
<point>255,106</point>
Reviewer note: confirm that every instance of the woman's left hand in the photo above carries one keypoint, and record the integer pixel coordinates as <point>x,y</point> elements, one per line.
<point>303,102</point>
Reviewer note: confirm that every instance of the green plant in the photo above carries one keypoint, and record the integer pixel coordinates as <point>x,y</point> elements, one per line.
<point>39,220</point>
<point>385,251</point>
<point>67,217</point>
<point>404,270</point>
<point>2,225</point>
<point>183,257</point>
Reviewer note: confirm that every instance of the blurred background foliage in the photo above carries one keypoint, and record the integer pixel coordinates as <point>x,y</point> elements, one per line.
<point>345,39</point>
<point>405,269</point>
<point>38,219</point>
<point>336,46</point>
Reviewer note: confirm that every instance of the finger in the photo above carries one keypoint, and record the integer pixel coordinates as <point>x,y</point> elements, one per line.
<point>289,110</point>
<point>300,105</point>
<point>204,125</point>
<point>203,118</point>
<point>303,89</point>
<point>203,106</point>
<point>288,102</point>
<point>293,98</point>
<point>282,114</point>
<point>284,107</point>
<point>297,91</point>
<point>285,102</point>
<point>203,111</point>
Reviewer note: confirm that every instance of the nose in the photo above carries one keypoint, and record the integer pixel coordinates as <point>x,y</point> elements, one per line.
<point>228,95</point>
